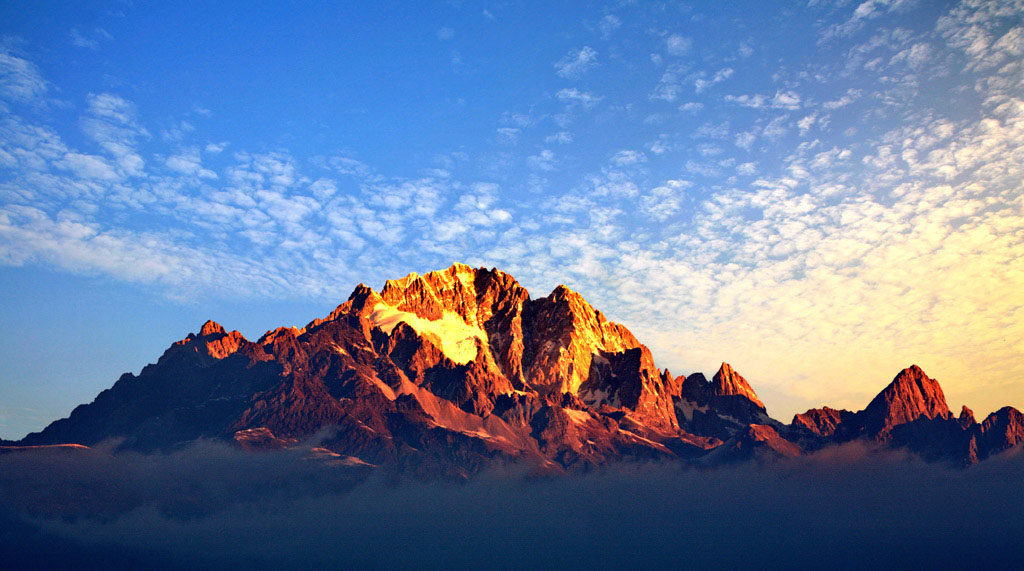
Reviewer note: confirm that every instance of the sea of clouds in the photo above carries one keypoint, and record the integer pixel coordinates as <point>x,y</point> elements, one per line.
<point>209,506</point>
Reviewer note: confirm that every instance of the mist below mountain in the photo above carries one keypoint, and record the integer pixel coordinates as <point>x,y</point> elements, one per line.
<point>212,506</point>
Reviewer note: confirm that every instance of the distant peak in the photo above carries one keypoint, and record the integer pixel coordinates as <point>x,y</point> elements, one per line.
<point>361,290</point>
<point>363,296</point>
<point>910,395</point>
<point>966,417</point>
<point>914,375</point>
<point>211,328</point>
<point>728,382</point>
<point>697,378</point>
<point>563,290</point>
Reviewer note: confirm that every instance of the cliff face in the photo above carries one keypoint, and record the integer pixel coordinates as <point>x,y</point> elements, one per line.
<point>448,372</point>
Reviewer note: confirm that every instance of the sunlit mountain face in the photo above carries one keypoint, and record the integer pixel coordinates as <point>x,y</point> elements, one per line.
<point>678,277</point>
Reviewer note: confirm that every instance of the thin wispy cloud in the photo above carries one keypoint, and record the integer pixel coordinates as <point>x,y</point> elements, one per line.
<point>577,97</point>
<point>608,25</point>
<point>677,45</point>
<point>576,63</point>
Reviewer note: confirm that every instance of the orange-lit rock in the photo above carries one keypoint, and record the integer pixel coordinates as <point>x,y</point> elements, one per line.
<point>822,421</point>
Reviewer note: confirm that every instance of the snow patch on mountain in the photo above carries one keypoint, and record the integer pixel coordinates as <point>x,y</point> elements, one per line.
<point>455,337</point>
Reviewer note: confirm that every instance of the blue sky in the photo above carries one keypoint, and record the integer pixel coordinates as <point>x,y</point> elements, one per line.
<point>820,193</point>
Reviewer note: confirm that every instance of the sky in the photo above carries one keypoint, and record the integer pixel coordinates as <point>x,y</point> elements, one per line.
<point>820,193</point>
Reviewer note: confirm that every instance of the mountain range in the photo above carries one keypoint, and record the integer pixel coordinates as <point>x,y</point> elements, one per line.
<point>450,372</point>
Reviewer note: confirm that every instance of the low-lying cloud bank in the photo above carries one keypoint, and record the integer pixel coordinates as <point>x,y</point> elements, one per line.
<point>210,506</point>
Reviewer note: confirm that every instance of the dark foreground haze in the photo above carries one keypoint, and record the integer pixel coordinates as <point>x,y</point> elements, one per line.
<point>214,507</point>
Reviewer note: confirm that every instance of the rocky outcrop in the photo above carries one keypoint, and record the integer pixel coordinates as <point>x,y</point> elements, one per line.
<point>822,421</point>
<point>718,407</point>
<point>1001,430</point>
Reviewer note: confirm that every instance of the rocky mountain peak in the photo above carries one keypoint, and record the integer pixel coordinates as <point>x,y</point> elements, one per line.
<point>363,296</point>
<point>822,421</point>
<point>567,334</point>
<point>1003,429</point>
<point>755,441</point>
<point>728,382</point>
<point>966,417</point>
<point>211,328</point>
<point>911,395</point>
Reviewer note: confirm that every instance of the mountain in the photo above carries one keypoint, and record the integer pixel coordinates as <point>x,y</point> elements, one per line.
<point>911,395</point>
<point>911,413</point>
<point>452,371</point>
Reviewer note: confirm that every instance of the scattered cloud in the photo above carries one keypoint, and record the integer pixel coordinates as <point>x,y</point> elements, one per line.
<point>216,148</point>
<point>701,84</point>
<point>576,63</point>
<point>574,96</point>
<point>676,45</point>
<point>90,40</point>
<point>628,157</point>
<point>864,11</point>
<point>563,137</point>
<point>608,25</point>
<point>508,134</point>
<point>666,200</point>
<point>745,140</point>
<point>781,100</point>
<point>544,161</point>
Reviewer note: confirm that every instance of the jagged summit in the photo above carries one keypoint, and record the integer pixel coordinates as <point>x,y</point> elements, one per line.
<point>728,382</point>
<point>451,370</point>
<point>822,421</point>
<point>966,416</point>
<point>911,395</point>
<point>211,328</point>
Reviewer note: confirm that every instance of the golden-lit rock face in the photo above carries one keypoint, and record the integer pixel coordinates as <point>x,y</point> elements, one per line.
<point>212,342</point>
<point>549,345</point>
<point>566,333</point>
<point>728,382</point>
